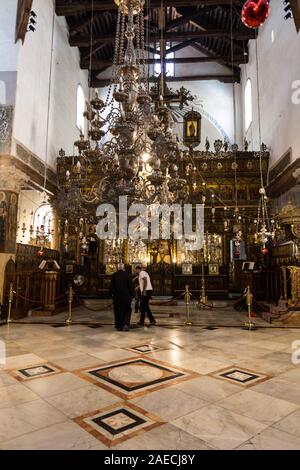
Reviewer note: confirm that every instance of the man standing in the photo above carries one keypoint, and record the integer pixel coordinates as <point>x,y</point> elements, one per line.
<point>146,294</point>
<point>122,293</point>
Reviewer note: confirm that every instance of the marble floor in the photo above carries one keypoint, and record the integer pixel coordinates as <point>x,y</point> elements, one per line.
<point>99,312</point>
<point>158,388</point>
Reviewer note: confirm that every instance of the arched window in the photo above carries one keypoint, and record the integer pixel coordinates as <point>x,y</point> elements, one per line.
<point>170,66</point>
<point>248,104</point>
<point>43,217</point>
<point>80,108</point>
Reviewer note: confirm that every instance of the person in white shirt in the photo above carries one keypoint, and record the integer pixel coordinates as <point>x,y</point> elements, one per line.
<point>146,294</point>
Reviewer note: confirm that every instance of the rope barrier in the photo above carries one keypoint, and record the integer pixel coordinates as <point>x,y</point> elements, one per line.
<point>31,301</point>
<point>166,302</point>
<point>27,299</point>
<point>99,309</point>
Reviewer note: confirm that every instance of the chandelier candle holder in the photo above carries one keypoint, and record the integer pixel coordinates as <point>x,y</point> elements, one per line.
<point>265,228</point>
<point>132,126</point>
<point>202,304</point>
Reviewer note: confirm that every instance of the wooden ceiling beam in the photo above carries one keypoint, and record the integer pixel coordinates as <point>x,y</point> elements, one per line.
<point>101,83</point>
<point>85,54</point>
<point>228,64</point>
<point>65,8</point>
<point>180,46</point>
<point>99,64</point>
<point>80,25</point>
<point>295,5</point>
<point>182,20</point>
<point>84,40</point>
<point>23,15</point>
<point>205,24</point>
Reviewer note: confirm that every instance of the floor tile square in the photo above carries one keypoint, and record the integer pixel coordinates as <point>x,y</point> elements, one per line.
<point>55,384</point>
<point>35,372</point>
<point>164,437</point>
<point>290,424</point>
<point>117,423</point>
<point>145,348</point>
<point>63,436</point>
<point>27,417</point>
<point>218,427</point>
<point>15,394</point>
<point>258,406</point>
<point>240,376</point>
<point>134,377</point>
<point>272,439</point>
<point>22,361</point>
<point>82,400</point>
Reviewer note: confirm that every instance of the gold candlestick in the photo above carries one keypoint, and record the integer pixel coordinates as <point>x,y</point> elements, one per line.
<point>70,299</point>
<point>10,301</point>
<point>249,325</point>
<point>187,299</point>
<point>202,304</point>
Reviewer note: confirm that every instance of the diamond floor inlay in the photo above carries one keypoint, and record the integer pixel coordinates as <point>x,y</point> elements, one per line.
<point>136,376</point>
<point>240,376</point>
<point>34,372</point>
<point>145,348</point>
<point>118,423</point>
<point>151,389</point>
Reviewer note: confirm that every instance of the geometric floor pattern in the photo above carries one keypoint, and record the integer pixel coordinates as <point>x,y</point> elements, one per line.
<point>118,423</point>
<point>34,372</point>
<point>135,377</point>
<point>145,348</point>
<point>151,388</point>
<point>239,376</point>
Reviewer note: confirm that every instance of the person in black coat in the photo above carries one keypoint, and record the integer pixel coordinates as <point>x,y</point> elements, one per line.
<point>122,293</point>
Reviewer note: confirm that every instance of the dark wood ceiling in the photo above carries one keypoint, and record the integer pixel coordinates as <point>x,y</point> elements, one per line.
<point>212,27</point>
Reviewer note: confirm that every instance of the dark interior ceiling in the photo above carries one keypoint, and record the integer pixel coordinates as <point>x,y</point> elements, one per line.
<point>212,27</point>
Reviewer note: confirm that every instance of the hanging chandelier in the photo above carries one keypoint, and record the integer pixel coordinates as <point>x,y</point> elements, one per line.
<point>139,155</point>
<point>265,229</point>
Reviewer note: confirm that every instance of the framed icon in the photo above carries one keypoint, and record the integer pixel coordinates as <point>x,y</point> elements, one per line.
<point>110,268</point>
<point>69,268</point>
<point>213,269</point>
<point>187,269</point>
<point>192,128</point>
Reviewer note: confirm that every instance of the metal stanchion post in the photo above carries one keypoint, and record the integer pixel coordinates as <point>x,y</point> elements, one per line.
<point>249,325</point>
<point>70,299</point>
<point>10,301</point>
<point>203,298</point>
<point>187,299</point>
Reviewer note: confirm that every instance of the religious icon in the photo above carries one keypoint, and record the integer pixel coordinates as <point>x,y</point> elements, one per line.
<point>69,268</point>
<point>192,129</point>
<point>187,269</point>
<point>213,269</point>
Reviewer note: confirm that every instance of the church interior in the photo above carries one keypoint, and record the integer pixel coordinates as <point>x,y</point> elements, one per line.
<point>112,111</point>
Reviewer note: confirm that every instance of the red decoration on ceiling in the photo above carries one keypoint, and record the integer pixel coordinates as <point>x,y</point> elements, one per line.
<point>255,13</point>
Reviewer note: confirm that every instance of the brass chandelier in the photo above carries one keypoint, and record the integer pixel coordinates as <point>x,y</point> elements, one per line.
<point>140,153</point>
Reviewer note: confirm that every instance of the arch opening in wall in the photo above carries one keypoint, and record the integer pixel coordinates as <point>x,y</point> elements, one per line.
<point>80,108</point>
<point>248,104</point>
